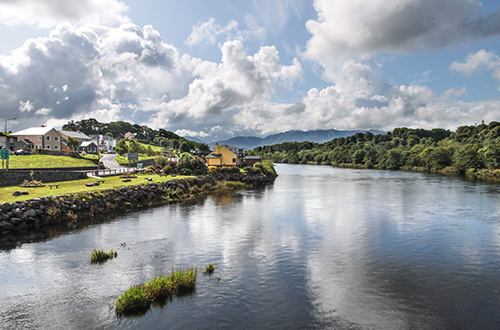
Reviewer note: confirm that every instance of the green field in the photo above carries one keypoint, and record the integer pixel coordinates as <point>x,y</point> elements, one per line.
<point>77,186</point>
<point>47,161</point>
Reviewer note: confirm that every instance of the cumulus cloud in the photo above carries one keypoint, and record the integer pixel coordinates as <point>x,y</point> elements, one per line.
<point>92,70</point>
<point>479,61</point>
<point>238,80</point>
<point>359,29</point>
<point>49,13</point>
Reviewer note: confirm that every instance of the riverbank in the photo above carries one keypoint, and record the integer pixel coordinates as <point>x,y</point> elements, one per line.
<point>38,216</point>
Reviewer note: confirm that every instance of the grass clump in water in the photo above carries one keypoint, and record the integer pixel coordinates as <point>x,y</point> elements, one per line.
<point>209,269</point>
<point>138,299</point>
<point>135,301</point>
<point>99,256</point>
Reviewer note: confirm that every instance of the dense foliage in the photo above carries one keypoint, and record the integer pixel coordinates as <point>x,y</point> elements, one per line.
<point>470,148</point>
<point>145,134</point>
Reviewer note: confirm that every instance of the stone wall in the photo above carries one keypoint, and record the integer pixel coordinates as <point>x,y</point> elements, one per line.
<point>15,177</point>
<point>32,215</point>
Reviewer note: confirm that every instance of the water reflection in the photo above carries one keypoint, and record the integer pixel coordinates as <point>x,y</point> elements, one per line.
<point>322,248</point>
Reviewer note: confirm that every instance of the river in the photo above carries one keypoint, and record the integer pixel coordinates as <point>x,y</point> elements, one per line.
<point>322,248</point>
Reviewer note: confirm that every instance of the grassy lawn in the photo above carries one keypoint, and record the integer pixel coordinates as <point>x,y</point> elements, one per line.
<point>122,160</point>
<point>44,161</point>
<point>77,186</point>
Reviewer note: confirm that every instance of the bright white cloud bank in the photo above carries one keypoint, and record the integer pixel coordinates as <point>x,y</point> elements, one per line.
<point>124,72</point>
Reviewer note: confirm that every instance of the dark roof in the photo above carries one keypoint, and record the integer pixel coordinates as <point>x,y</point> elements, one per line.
<point>214,156</point>
<point>25,141</point>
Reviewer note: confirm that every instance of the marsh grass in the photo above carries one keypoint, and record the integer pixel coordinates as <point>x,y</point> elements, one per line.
<point>138,299</point>
<point>209,269</point>
<point>99,256</point>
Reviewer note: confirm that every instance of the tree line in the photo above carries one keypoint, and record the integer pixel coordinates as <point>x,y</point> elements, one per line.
<point>469,148</point>
<point>142,133</point>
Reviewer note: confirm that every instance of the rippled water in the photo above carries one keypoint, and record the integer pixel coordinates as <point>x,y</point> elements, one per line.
<point>322,248</point>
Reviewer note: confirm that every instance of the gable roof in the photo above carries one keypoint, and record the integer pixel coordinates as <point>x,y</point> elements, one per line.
<point>87,144</point>
<point>33,131</point>
<point>76,135</point>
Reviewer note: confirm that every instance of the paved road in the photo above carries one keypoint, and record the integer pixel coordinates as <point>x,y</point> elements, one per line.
<point>109,161</point>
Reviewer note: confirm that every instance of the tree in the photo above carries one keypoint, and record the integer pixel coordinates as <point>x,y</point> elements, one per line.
<point>185,161</point>
<point>121,147</point>
<point>73,143</point>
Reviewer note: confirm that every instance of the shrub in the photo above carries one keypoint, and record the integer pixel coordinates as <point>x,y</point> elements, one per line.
<point>161,161</point>
<point>166,169</point>
<point>186,171</point>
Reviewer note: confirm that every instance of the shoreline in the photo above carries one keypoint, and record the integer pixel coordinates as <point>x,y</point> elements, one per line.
<point>34,219</point>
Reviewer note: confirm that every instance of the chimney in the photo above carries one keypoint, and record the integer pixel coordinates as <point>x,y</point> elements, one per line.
<point>216,150</point>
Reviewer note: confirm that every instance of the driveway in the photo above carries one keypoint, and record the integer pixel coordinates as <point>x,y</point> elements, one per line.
<point>109,161</point>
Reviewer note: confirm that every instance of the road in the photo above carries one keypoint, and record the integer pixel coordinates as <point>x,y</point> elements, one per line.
<point>109,161</point>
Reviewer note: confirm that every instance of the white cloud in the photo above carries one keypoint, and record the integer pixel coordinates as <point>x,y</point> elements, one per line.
<point>209,32</point>
<point>481,60</point>
<point>187,132</point>
<point>360,29</point>
<point>49,13</point>
<point>238,80</point>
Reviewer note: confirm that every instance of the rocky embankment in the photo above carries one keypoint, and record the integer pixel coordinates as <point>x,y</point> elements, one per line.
<point>31,215</point>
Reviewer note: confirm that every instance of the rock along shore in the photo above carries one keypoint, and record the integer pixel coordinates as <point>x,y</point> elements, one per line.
<point>33,215</point>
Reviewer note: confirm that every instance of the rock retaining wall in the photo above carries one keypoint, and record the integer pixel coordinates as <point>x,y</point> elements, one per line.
<point>31,215</point>
<point>16,177</point>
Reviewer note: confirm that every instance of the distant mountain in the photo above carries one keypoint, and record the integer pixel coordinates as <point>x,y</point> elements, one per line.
<point>195,139</point>
<point>319,136</point>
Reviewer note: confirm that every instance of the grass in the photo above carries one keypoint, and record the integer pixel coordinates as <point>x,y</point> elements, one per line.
<point>99,256</point>
<point>138,299</point>
<point>78,186</point>
<point>46,161</point>
<point>122,160</point>
<point>209,269</point>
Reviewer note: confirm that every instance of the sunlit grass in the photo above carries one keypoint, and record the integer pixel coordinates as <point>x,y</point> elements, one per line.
<point>99,256</point>
<point>138,299</point>
<point>78,186</point>
<point>47,161</point>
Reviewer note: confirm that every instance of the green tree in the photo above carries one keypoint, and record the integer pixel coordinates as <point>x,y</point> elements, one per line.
<point>73,143</point>
<point>121,147</point>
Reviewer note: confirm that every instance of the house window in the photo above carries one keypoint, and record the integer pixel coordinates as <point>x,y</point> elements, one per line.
<point>234,160</point>
<point>47,138</point>
<point>40,138</point>
<point>47,146</point>
<point>56,138</point>
<point>56,147</point>
<point>26,137</point>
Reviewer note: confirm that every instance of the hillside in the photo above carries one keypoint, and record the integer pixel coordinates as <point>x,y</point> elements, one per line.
<point>318,136</point>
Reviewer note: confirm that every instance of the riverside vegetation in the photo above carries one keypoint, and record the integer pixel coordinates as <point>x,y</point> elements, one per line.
<point>472,150</point>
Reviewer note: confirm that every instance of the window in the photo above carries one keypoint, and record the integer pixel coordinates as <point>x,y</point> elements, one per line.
<point>234,160</point>
<point>47,146</point>
<point>56,147</point>
<point>40,138</point>
<point>26,137</point>
<point>47,138</point>
<point>56,138</point>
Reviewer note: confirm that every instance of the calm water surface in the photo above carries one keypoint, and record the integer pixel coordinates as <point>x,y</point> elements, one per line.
<point>322,248</point>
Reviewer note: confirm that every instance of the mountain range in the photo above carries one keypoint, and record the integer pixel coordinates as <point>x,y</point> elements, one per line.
<point>319,136</point>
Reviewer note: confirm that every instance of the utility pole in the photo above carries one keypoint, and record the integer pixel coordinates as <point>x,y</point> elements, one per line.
<point>5,128</point>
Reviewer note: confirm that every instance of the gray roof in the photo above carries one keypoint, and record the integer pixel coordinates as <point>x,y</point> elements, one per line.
<point>87,143</point>
<point>76,135</point>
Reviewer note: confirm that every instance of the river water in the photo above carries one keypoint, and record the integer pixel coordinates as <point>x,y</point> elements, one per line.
<point>322,248</point>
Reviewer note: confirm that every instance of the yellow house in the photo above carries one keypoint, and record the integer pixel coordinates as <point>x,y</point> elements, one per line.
<point>222,155</point>
<point>230,156</point>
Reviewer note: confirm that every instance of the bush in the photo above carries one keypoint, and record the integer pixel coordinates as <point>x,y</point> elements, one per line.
<point>186,171</point>
<point>166,169</point>
<point>161,161</point>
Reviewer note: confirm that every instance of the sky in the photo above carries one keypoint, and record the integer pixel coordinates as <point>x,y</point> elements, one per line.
<point>215,69</point>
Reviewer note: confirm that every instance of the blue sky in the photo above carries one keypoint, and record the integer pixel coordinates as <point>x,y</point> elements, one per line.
<point>217,69</point>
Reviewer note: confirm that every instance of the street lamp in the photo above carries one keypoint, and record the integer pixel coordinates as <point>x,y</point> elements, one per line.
<point>6,123</point>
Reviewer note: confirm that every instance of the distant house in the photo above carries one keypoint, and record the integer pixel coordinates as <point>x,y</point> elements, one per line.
<point>38,138</point>
<point>230,156</point>
<point>105,142</point>
<point>129,136</point>
<point>75,135</point>
<point>88,146</point>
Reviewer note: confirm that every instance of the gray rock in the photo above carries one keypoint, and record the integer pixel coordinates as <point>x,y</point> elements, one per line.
<point>31,213</point>
<point>6,207</point>
<point>15,221</point>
